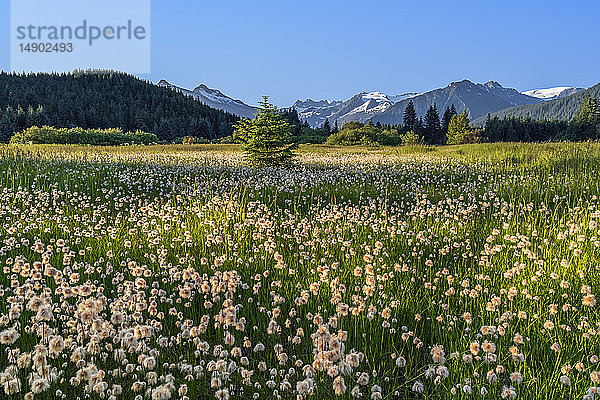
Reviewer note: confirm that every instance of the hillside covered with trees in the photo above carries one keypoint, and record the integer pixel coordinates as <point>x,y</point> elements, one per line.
<point>563,109</point>
<point>102,100</point>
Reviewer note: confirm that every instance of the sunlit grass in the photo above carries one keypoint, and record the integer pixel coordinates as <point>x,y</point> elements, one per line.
<point>180,272</point>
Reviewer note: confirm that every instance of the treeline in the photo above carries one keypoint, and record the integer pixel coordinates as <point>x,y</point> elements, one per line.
<point>454,128</point>
<point>429,130</point>
<point>585,125</point>
<point>96,137</point>
<point>102,100</point>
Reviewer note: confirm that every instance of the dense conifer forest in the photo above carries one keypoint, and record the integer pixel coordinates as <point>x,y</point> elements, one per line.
<point>105,99</point>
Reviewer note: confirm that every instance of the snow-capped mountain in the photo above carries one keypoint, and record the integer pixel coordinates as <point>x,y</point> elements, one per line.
<point>360,107</point>
<point>553,93</point>
<point>476,98</point>
<point>214,98</point>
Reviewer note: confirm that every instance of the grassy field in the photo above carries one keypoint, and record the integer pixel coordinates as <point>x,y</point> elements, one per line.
<point>177,272</point>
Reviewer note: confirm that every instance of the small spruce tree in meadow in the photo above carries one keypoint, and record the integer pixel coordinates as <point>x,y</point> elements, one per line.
<point>459,129</point>
<point>266,139</point>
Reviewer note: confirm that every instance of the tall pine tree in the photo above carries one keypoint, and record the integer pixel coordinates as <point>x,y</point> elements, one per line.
<point>410,116</point>
<point>326,127</point>
<point>447,117</point>
<point>432,130</point>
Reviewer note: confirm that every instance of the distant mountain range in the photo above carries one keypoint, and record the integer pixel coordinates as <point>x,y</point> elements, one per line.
<point>214,98</point>
<point>561,108</point>
<point>360,107</point>
<point>476,98</point>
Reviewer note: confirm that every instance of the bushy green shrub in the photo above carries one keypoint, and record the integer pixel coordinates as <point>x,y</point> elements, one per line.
<point>411,138</point>
<point>191,140</point>
<point>97,137</point>
<point>345,138</point>
<point>353,134</point>
<point>389,137</point>
<point>310,135</point>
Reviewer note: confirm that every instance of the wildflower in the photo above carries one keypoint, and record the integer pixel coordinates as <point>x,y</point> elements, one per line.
<point>418,387</point>
<point>9,336</point>
<point>508,392</point>
<point>589,300</point>
<point>39,385</point>
<point>339,386</point>
<point>516,377</point>
<point>400,362</point>
<point>437,354</point>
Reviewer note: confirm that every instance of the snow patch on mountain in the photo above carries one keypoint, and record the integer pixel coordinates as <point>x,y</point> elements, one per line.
<point>399,97</point>
<point>553,92</point>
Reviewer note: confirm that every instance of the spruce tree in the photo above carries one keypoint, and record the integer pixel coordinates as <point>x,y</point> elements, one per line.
<point>326,127</point>
<point>419,126</point>
<point>459,129</point>
<point>585,124</point>
<point>432,131</point>
<point>448,114</point>
<point>266,139</point>
<point>410,116</point>
<point>488,130</point>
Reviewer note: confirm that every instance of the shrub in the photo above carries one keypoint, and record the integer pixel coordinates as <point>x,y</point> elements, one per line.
<point>97,137</point>
<point>389,137</point>
<point>352,134</point>
<point>188,140</point>
<point>231,139</point>
<point>313,136</point>
<point>411,138</point>
<point>345,138</point>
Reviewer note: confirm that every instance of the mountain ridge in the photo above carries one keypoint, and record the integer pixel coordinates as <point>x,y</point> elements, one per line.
<point>476,98</point>
<point>563,108</point>
<point>213,98</point>
<point>360,107</point>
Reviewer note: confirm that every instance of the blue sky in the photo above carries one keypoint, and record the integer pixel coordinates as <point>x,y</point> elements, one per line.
<point>334,49</point>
